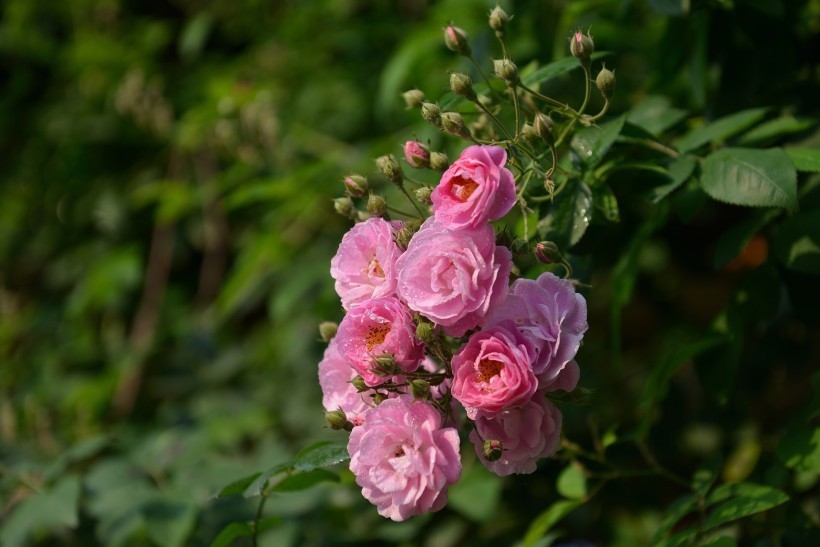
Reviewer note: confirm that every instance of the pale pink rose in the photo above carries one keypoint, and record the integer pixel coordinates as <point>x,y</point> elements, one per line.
<point>453,277</point>
<point>493,371</point>
<point>566,380</point>
<point>551,315</point>
<point>417,154</point>
<point>475,189</point>
<point>338,393</point>
<point>403,459</point>
<point>527,434</point>
<point>376,327</point>
<point>364,265</point>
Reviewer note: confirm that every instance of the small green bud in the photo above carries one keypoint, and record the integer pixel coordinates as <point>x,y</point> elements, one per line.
<point>390,168</point>
<point>376,205</point>
<point>493,450</point>
<point>327,330</point>
<point>462,85</point>
<point>337,420</point>
<point>344,206</point>
<point>547,252</point>
<point>432,113</point>
<point>529,132</point>
<point>506,70</point>
<point>543,127</point>
<point>420,389</point>
<point>456,40</point>
<point>453,123</point>
<point>385,365</point>
<point>581,46</point>
<point>498,20</point>
<point>605,82</point>
<point>423,195</point>
<point>358,383</point>
<point>378,398</point>
<point>549,186</point>
<point>425,331</point>
<point>356,185</point>
<point>439,161</point>
<point>413,98</point>
<point>404,235</point>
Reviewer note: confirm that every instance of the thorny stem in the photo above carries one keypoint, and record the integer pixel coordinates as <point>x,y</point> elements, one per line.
<point>562,108</point>
<point>569,126</point>
<point>495,120</point>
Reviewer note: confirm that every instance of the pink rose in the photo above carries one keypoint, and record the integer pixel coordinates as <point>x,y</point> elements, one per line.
<point>493,371</point>
<point>417,154</point>
<point>475,189</point>
<point>335,374</point>
<point>453,277</point>
<point>551,316</point>
<point>375,327</point>
<point>402,458</point>
<point>527,434</point>
<point>364,265</point>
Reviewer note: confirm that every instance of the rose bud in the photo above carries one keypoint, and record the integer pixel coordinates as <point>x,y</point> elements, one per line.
<point>605,82</point>
<point>356,185</point>
<point>439,161</point>
<point>432,113</point>
<point>581,46</point>
<point>493,450</point>
<point>344,206</point>
<point>417,154</point>
<point>506,70</point>
<point>547,253</point>
<point>543,126</point>
<point>453,123</point>
<point>498,20</point>
<point>423,195</point>
<point>376,205</point>
<point>529,132</point>
<point>413,98</point>
<point>462,85</point>
<point>358,383</point>
<point>420,389</point>
<point>390,168</point>
<point>327,330</point>
<point>337,420</point>
<point>403,236</point>
<point>456,40</point>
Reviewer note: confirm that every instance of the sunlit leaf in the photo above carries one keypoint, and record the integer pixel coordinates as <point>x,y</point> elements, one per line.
<point>805,159</point>
<point>572,482</point>
<point>592,143</point>
<point>320,454</point>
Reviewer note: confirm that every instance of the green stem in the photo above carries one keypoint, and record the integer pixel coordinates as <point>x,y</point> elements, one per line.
<point>580,112</point>
<point>658,147</point>
<point>599,115</point>
<point>416,205</point>
<point>564,109</point>
<point>485,78</point>
<point>495,120</point>
<point>517,108</point>
<point>400,212</point>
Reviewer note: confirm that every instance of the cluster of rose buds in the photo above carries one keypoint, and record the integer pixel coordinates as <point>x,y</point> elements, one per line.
<point>436,339</point>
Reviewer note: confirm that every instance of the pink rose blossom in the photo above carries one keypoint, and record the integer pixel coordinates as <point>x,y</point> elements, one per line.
<point>493,371</point>
<point>402,458</point>
<point>475,189</point>
<point>375,327</point>
<point>335,374</point>
<point>453,277</point>
<point>364,265</point>
<point>551,316</point>
<point>416,154</point>
<point>527,434</point>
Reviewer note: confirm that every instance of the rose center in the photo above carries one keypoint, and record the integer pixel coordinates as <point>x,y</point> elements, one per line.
<point>398,452</point>
<point>374,269</point>
<point>375,335</point>
<point>487,368</point>
<point>463,188</point>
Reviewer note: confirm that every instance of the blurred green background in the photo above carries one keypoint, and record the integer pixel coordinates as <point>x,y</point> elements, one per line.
<point>166,227</point>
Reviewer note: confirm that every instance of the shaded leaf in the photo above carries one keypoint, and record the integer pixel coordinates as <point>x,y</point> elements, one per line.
<point>805,159</point>
<point>43,511</point>
<point>797,242</point>
<point>678,172</point>
<point>559,67</point>
<point>720,130</point>
<point>772,129</point>
<point>305,480</point>
<point>605,200</point>
<point>231,532</point>
<point>737,501</point>
<point>655,114</point>
<point>572,483</point>
<point>477,494</point>
<point>676,511</point>
<point>238,486</point>
<point>570,215</point>
<point>257,487</point>
<point>549,518</point>
<point>320,454</point>
<point>169,522</point>
<point>592,143</point>
<point>745,176</point>
<point>735,239</point>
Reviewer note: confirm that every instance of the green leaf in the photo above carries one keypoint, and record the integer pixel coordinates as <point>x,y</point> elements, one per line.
<point>745,176</point>
<point>735,239</point>
<point>676,511</point>
<point>238,486</point>
<point>705,477</point>
<point>42,512</point>
<point>605,200</point>
<point>655,114</point>
<point>570,215</point>
<point>797,242</point>
<point>557,68</point>
<point>257,487</point>
<point>231,532</point>
<point>592,143</point>
<point>720,130</point>
<point>170,522</point>
<point>718,541</point>
<point>305,480</point>
<point>549,518</point>
<point>320,454</point>
<point>678,172</point>
<point>572,483</point>
<point>772,129</point>
<point>805,160</point>
<point>477,494</point>
<point>736,501</point>
<point>799,449</point>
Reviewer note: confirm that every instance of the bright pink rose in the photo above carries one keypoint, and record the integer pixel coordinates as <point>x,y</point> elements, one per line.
<point>417,154</point>
<point>453,277</point>
<point>527,434</point>
<point>475,189</point>
<point>376,327</point>
<point>493,371</point>
<point>364,265</point>
<point>335,374</point>
<point>551,316</point>
<point>403,459</point>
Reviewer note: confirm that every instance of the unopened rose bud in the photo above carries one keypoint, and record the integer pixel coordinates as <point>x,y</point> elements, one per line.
<point>498,20</point>
<point>462,85</point>
<point>376,205</point>
<point>439,161</point>
<point>493,450</point>
<point>413,98</point>
<point>425,332</point>
<point>543,126</point>
<point>379,398</point>
<point>456,40</point>
<point>547,252</point>
<point>432,113</point>
<point>344,206</point>
<point>356,185</point>
<point>506,70</point>
<point>390,168</point>
<point>327,330</point>
<point>423,195</point>
<point>358,383</point>
<point>581,46</point>
<point>453,123</point>
<point>528,131</point>
<point>549,185</point>
<point>417,154</point>
<point>385,365</point>
<point>420,389</point>
<point>337,420</point>
<point>404,235</point>
<point>605,82</point>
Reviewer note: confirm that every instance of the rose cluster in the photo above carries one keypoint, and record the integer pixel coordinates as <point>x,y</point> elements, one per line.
<point>435,338</point>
